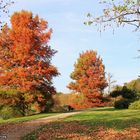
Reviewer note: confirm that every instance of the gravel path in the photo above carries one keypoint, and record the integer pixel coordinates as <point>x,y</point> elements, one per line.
<point>16,131</point>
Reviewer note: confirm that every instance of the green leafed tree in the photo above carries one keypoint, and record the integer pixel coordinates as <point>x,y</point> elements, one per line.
<point>134,85</point>
<point>117,13</point>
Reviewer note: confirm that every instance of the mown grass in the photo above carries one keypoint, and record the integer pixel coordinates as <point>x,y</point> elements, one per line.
<point>95,118</point>
<point>27,118</point>
<point>108,117</point>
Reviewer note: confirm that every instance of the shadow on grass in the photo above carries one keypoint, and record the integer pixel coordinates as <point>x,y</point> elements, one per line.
<point>102,109</point>
<point>118,124</point>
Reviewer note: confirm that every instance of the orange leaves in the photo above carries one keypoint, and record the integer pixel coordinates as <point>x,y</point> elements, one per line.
<point>89,77</point>
<point>46,36</point>
<point>43,24</point>
<point>25,56</point>
<point>21,19</point>
<point>75,130</point>
<point>30,59</point>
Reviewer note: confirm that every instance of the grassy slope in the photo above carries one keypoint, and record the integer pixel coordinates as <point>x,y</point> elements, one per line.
<point>27,118</point>
<point>94,118</point>
<point>108,117</point>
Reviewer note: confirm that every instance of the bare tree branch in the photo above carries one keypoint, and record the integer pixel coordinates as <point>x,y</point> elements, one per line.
<point>4,9</point>
<point>125,12</point>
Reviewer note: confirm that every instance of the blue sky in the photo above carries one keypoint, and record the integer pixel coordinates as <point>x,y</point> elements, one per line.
<point>71,37</point>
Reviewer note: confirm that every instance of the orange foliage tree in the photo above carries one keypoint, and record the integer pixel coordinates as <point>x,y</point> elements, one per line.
<point>25,58</point>
<point>89,79</point>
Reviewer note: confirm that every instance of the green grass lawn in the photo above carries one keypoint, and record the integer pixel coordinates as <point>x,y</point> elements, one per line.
<point>108,117</point>
<point>91,119</point>
<point>27,118</point>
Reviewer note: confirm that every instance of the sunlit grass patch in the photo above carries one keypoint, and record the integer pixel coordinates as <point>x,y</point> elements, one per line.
<point>26,118</point>
<point>108,117</point>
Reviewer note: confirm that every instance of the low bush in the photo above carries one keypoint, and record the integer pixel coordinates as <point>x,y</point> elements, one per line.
<point>135,105</point>
<point>9,112</point>
<point>122,104</point>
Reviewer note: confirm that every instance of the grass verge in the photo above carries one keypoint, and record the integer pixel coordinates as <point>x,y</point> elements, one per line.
<point>27,118</point>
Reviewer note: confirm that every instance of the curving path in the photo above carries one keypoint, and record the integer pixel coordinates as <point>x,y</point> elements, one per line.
<point>16,131</point>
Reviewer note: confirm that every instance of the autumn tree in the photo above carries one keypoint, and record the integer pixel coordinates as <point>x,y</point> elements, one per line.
<point>117,12</point>
<point>25,58</point>
<point>89,78</point>
<point>72,99</point>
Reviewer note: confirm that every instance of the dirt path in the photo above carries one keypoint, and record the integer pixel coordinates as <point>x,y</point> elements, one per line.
<point>16,131</point>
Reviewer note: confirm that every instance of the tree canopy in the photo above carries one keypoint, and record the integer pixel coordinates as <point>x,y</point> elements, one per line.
<point>25,57</point>
<point>117,13</point>
<point>89,78</point>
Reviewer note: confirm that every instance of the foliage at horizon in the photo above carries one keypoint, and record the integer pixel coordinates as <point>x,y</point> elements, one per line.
<point>134,85</point>
<point>72,99</point>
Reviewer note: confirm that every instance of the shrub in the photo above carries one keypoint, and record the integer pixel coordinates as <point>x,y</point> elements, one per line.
<point>9,112</point>
<point>115,93</point>
<point>122,104</point>
<point>124,92</point>
<point>128,93</point>
<point>135,105</point>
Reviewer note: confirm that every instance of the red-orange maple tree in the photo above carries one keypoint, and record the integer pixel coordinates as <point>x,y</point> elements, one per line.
<point>89,78</point>
<point>25,57</point>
